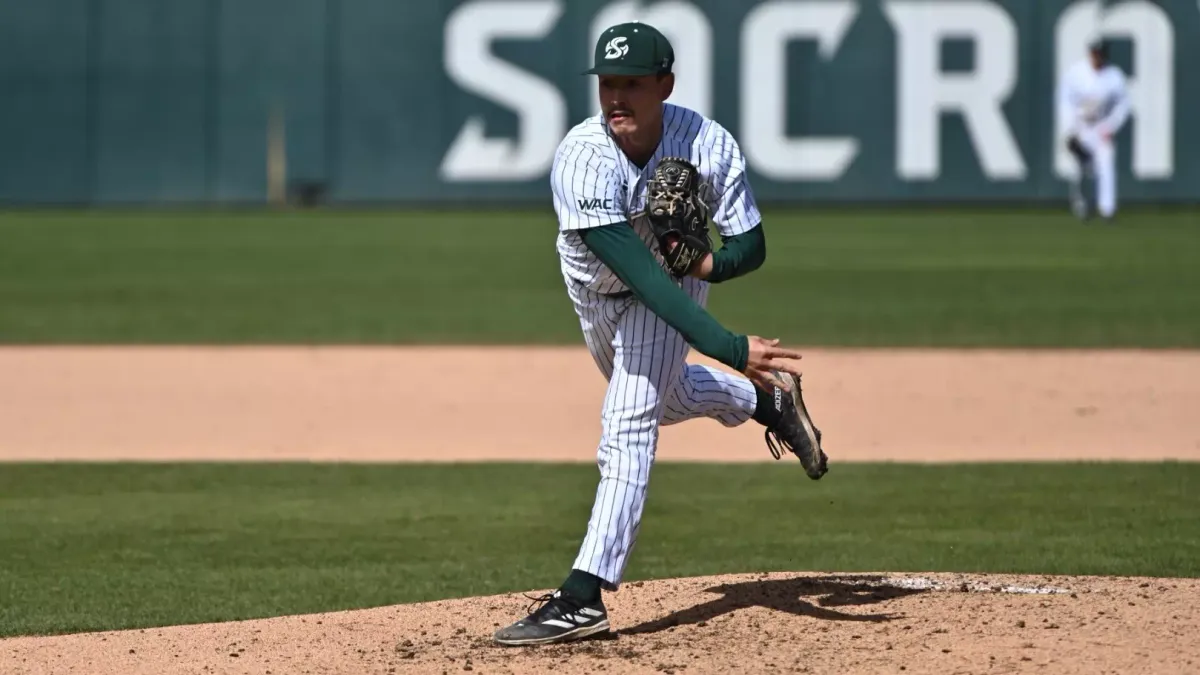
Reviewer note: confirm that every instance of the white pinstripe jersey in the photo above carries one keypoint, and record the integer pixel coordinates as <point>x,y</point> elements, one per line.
<point>595,184</point>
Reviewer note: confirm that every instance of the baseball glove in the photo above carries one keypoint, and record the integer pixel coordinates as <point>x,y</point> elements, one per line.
<point>678,215</point>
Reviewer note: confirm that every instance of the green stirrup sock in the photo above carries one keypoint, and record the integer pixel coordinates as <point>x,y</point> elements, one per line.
<point>766,411</point>
<point>582,586</point>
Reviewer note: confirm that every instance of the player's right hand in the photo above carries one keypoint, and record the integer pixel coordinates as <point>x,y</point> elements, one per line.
<point>766,357</point>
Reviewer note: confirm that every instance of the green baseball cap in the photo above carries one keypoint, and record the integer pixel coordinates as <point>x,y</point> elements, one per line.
<point>632,48</point>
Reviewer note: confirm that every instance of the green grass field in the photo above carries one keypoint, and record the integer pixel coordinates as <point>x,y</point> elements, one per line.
<point>870,278</point>
<point>85,547</point>
<point>113,546</point>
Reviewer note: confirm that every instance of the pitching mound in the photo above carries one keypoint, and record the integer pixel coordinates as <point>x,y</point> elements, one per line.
<point>810,623</point>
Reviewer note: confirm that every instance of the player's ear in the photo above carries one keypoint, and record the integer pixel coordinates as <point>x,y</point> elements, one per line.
<point>666,84</point>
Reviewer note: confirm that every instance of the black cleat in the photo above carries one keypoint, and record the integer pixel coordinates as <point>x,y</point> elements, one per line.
<point>796,431</point>
<point>560,619</point>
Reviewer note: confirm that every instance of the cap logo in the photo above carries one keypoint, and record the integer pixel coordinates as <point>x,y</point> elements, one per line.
<point>616,48</point>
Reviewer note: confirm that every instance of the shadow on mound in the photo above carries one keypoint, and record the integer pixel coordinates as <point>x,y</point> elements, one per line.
<point>787,595</point>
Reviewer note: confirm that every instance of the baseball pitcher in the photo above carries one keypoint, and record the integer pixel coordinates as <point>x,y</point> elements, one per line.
<point>634,188</point>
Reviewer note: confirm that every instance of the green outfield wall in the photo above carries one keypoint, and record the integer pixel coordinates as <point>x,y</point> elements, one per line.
<point>168,101</point>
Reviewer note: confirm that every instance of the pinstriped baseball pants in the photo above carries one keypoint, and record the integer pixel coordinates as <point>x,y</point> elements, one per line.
<point>650,384</point>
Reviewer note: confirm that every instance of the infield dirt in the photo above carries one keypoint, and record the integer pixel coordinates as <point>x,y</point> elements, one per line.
<point>445,404</point>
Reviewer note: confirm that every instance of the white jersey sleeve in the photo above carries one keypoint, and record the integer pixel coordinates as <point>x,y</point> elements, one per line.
<point>1118,107</point>
<point>588,189</point>
<point>1068,115</point>
<point>734,209</point>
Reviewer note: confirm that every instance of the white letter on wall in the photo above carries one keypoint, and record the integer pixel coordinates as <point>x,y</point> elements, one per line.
<point>1151,88</point>
<point>926,92</point>
<point>764,85</point>
<point>539,106</point>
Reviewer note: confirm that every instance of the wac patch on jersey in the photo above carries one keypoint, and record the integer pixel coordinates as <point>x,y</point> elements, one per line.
<point>594,203</point>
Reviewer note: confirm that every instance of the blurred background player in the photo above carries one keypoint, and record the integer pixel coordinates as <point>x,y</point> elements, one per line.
<point>1093,104</point>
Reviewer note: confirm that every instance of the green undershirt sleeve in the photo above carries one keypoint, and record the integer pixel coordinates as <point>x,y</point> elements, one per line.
<point>740,254</point>
<point>619,247</point>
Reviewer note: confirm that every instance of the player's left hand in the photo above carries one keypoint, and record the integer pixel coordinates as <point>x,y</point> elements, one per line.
<point>765,358</point>
<point>678,216</point>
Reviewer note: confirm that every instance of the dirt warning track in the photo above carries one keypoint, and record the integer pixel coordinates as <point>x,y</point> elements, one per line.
<point>401,404</point>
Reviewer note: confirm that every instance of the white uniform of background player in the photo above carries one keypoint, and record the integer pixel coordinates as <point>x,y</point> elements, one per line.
<point>1093,105</point>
